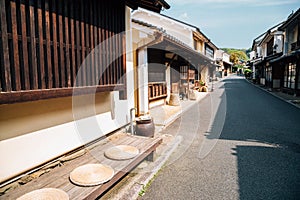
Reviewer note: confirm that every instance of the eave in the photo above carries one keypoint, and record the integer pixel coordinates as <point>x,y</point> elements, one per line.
<point>152,5</point>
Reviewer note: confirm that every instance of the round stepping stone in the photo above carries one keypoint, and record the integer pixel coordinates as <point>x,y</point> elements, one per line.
<point>121,152</point>
<point>45,194</point>
<point>91,174</point>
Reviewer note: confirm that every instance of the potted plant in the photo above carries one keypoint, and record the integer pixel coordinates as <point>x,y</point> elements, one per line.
<point>203,87</point>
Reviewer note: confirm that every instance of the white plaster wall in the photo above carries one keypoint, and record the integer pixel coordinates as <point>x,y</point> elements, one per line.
<point>219,54</point>
<point>252,55</point>
<point>259,51</point>
<point>19,154</point>
<point>278,40</point>
<point>226,57</point>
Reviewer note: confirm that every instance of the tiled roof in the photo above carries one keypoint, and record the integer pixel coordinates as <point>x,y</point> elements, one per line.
<point>290,18</point>
<point>155,6</point>
<point>162,33</point>
<point>186,24</point>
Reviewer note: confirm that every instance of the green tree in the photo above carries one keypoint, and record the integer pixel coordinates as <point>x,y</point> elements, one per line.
<point>241,54</point>
<point>234,58</point>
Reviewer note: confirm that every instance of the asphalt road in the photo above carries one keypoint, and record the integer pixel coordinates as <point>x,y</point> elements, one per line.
<point>238,143</point>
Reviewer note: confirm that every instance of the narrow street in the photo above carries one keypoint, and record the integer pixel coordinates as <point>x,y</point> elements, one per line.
<point>246,146</point>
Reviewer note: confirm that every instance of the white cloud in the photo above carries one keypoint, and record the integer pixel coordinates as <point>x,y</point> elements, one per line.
<point>233,2</point>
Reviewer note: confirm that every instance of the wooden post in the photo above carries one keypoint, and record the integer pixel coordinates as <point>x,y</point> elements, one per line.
<point>67,46</point>
<point>41,59</point>
<point>61,45</point>
<point>25,48</point>
<point>34,74</point>
<point>48,47</point>
<point>4,41</point>
<point>16,60</point>
<point>55,50</point>
<point>72,36</point>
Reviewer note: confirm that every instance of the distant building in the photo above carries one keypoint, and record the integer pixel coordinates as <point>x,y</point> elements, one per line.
<point>266,47</point>
<point>275,56</point>
<point>175,56</point>
<point>223,61</point>
<point>289,63</point>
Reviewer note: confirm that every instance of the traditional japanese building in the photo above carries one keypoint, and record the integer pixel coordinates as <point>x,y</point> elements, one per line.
<point>275,56</point>
<point>289,63</point>
<point>174,55</point>
<point>64,80</point>
<point>266,47</point>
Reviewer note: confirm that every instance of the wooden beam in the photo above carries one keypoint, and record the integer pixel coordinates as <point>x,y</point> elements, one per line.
<point>33,95</point>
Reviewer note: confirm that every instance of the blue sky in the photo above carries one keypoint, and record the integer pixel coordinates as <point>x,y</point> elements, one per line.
<point>232,23</point>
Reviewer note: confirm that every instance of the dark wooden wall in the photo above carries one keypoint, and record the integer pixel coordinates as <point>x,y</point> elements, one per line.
<point>43,43</point>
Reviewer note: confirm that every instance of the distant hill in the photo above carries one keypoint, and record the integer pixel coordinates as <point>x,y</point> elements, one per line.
<point>232,50</point>
<point>237,54</point>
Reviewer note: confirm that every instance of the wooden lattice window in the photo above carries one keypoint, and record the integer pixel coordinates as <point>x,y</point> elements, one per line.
<point>43,44</point>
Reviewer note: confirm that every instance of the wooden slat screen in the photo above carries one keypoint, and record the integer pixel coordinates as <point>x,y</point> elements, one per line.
<point>43,43</point>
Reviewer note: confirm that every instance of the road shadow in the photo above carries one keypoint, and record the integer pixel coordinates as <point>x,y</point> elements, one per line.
<point>268,160</point>
<point>267,173</point>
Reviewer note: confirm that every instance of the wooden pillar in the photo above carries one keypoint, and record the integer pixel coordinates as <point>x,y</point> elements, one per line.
<point>5,55</point>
